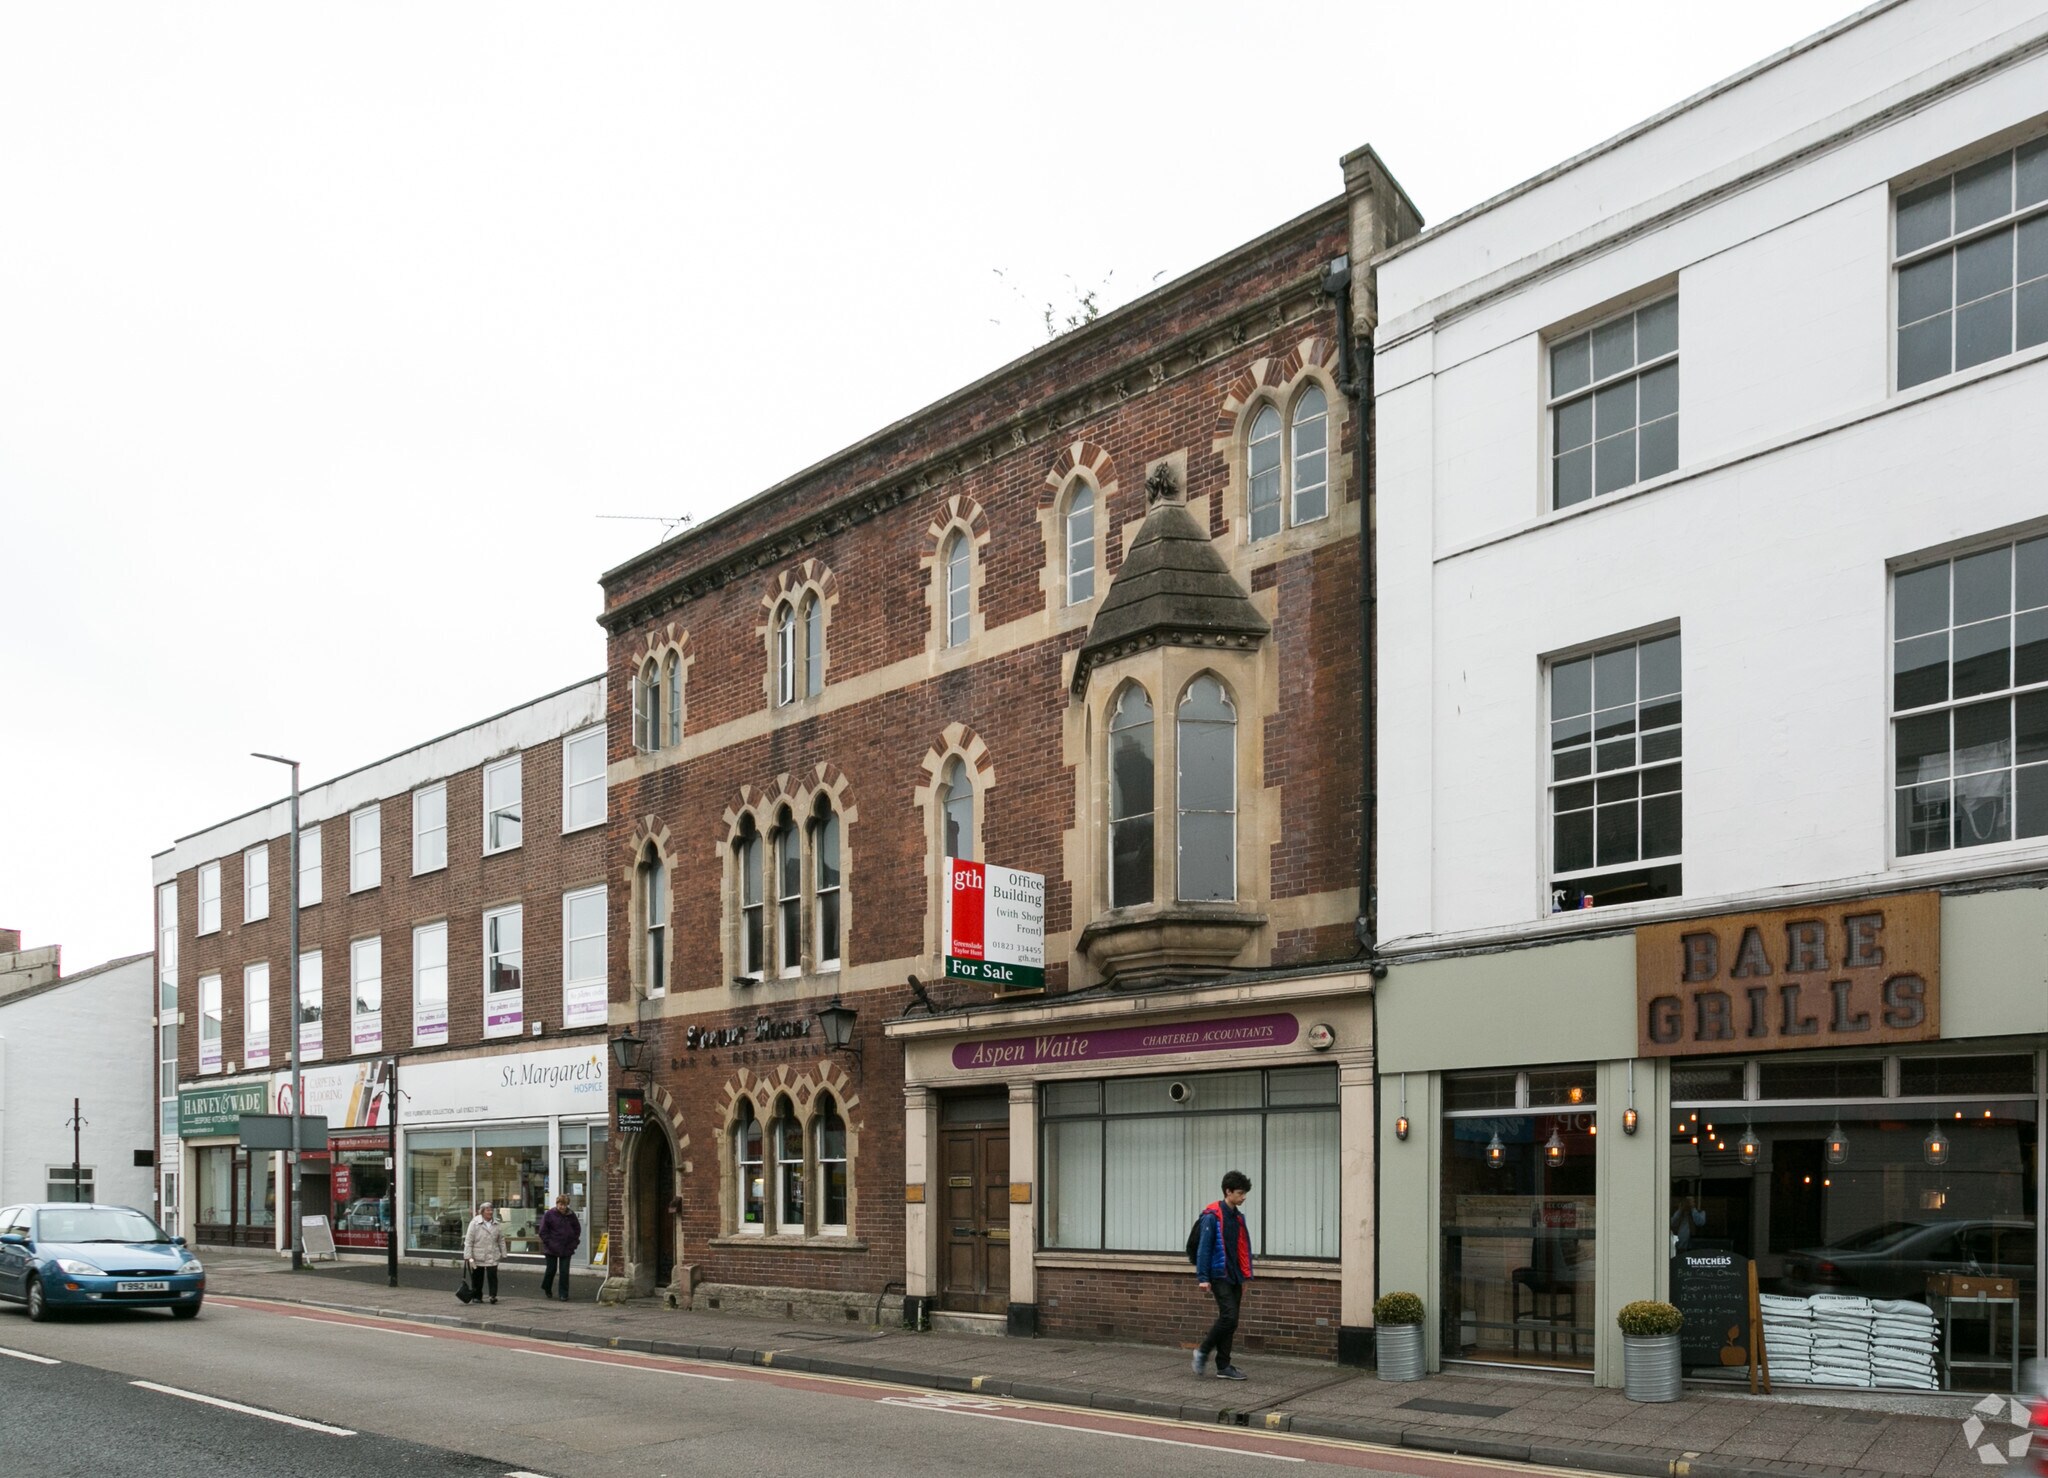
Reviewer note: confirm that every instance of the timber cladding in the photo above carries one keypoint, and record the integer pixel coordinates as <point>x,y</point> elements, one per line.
<point>1854,974</point>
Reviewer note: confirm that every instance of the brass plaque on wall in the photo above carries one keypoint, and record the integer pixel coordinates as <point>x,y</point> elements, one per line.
<point>1857,974</point>
<point>913,1193</point>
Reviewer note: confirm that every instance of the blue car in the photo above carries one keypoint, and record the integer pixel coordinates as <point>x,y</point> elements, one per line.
<point>59,1255</point>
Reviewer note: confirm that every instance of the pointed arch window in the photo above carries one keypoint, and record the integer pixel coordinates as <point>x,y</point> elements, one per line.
<point>647,707</point>
<point>1206,751</point>
<point>1287,464</point>
<point>789,1168</point>
<point>674,685</point>
<point>1080,530</point>
<point>785,654</point>
<point>814,646</point>
<point>789,897</point>
<point>753,930</point>
<point>830,1137</point>
<point>751,1189</point>
<point>654,909</point>
<point>957,593</point>
<point>1130,798</point>
<point>825,882</point>
<point>959,812</point>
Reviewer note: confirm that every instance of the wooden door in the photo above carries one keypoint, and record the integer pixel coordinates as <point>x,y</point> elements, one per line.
<point>974,1237</point>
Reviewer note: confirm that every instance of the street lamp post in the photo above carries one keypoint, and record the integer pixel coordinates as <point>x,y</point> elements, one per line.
<point>298,1084</point>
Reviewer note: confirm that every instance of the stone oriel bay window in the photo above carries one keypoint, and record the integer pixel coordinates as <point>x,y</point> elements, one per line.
<point>788,1157</point>
<point>1167,751</point>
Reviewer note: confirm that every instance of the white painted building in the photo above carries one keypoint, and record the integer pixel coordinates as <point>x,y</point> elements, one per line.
<point>1713,593</point>
<point>83,1037</point>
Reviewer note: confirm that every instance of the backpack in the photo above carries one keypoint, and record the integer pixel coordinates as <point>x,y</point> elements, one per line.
<point>1195,1239</point>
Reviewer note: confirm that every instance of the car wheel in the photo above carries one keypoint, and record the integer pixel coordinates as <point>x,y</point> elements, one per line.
<point>185,1311</point>
<point>38,1308</point>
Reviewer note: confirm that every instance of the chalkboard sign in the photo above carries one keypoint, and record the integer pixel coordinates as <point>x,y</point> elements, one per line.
<point>318,1237</point>
<point>1716,1291</point>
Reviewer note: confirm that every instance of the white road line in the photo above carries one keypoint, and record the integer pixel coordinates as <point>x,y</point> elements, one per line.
<point>1023,1421</point>
<point>269,1416</point>
<point>625,1365</point>
<point>372,1328</point>
<point>25,1355</point>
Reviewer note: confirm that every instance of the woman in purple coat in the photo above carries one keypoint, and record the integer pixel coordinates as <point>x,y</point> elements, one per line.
<point>560,1235</point>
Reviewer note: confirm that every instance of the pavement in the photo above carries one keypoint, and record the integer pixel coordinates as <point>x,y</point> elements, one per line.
<point>1551,1420</point>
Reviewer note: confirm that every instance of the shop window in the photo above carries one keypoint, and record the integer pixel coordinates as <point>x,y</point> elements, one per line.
<point>753,908</point>
<point>1820,1079</point>
<point>1163,1144</point>
<point>826,884</point>
<point>751,1189</point>
<point>1519,1216</point>
<point>1716,1082</point>
<point>439,1188</point>
<point>789,1169</point>
<point>450,1172</point>
<point>1130,798</point>
<point>789,897</point>
<point>1616,776</point>
<point>1206,784</point>
<point>830,1131</point>
<point>1970,699</point>
<point>1921,1077</point>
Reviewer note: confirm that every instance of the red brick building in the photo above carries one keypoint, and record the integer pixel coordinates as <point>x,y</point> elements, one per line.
<point>1096,617</point>
<point>452,938</point>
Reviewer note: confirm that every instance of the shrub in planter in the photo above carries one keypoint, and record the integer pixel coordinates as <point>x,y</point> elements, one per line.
<point>1397,1317</point>
<point>1646,1317</point>
<point>1650,1366</point>
<point>1397,1308</point>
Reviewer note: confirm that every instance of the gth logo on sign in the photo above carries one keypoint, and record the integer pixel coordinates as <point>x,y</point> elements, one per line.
<point>1977,1430</point>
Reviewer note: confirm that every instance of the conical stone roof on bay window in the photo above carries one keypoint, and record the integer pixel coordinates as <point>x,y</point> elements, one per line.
<point>1173,589</point>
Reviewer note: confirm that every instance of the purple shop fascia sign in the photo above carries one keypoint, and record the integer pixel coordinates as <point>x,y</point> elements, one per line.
<point>1166,1039</point>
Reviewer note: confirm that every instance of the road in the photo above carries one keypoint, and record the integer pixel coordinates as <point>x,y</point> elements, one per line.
<point>131,1392</point>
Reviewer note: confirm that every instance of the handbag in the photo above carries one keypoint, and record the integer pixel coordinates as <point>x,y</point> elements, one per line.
<point>462,1289</point>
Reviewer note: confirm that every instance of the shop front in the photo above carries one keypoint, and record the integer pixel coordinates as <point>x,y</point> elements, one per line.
<point>1846,1097</point>
<point>348,1176</point>
<point>230,1194</point>
<point>1057,1152</point>
<point>511,1129</point>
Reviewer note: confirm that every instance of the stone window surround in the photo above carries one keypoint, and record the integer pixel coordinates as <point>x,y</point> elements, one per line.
<point>811,580</point>
<point>963,514</point>
<point>958,742</point>
<point>1278,381</point>
<point>765,805</point>
<point>651,841</point>
<point>1081,462</point>
<point>658,647</point>
<point>803,1089</point>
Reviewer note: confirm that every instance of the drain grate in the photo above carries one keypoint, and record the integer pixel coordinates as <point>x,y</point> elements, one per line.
<point>1454,1408</point>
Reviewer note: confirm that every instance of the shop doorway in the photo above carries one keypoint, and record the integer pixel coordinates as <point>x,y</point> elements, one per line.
<point>974,1230</point>
<point>654,1225</point>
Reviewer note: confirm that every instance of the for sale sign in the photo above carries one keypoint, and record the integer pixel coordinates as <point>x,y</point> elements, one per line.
<point>995,925</point>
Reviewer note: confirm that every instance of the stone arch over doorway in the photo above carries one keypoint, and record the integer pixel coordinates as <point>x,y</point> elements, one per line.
<point>650,1199</point>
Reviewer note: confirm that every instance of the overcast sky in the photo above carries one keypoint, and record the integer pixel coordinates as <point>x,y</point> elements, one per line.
<point>327,333</point>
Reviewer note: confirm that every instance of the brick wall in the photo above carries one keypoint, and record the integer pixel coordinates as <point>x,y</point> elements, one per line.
<point>1281,1316</point>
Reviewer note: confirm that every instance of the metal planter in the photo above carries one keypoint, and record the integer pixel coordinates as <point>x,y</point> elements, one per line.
<point>1650,1368</point>
<point>1400,1351</point>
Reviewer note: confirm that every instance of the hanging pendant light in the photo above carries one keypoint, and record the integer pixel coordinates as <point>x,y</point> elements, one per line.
<point>1936,1146</point>
<point>1401,1124</point>
<point>1496,1152</point>
<point>1838,1145</point>
<point>1553,1149</point>
<point>1750,1148</point>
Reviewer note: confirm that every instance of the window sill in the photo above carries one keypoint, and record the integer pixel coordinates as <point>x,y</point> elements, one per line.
<point>569,831</point>
<point>501,851</point>
<point>794,1244</point>
<point>427,872</point>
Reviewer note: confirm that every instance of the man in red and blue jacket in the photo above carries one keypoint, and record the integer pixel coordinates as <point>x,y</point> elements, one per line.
<point>1223,1265</point>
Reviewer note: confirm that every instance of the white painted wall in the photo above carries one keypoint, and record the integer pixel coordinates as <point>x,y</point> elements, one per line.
<point>1767,204</point>
<point>89,1037</point>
